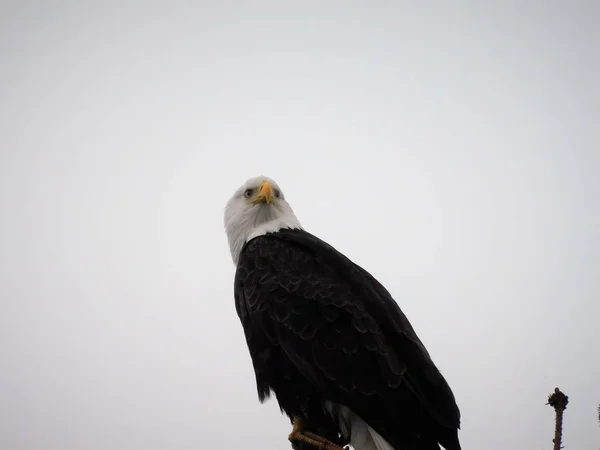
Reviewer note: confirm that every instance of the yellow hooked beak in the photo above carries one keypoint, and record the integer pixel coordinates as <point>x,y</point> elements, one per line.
<point>265,194</point>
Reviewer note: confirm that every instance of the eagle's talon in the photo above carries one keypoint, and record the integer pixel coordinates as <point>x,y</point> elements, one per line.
<point>313,439</point>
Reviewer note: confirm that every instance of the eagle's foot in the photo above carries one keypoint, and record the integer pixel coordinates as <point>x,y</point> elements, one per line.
<point>298,434</point>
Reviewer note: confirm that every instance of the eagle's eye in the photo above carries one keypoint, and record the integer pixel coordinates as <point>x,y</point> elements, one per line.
<point>276,192</point>
<point>248,193</point>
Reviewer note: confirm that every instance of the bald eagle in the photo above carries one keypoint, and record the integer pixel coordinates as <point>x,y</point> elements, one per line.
<point>328,339</point>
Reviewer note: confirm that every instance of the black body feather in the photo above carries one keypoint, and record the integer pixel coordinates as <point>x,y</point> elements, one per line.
<point>319,327</point>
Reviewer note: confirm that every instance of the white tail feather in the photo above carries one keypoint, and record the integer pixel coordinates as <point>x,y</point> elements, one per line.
<point>379,441</point>
<point>362,436</point>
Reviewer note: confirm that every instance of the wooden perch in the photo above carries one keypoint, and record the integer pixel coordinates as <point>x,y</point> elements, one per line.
<point>300,445</point>
<point>559,402</point>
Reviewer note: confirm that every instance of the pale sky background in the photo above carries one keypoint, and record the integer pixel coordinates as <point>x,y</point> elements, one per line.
<point>452,151</point>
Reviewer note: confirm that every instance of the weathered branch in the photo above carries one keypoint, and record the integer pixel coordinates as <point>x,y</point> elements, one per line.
<point>322,441</point>
<point>300,445</point>
<point>559,402</point>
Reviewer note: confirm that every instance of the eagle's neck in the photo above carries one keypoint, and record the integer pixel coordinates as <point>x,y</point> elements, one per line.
<point>249,229</point>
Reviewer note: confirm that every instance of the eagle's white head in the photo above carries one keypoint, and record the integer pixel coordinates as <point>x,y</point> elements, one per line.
<point>256,208</point>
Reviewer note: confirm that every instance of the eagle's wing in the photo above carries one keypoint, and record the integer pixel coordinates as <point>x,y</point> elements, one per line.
<point>342,331</point>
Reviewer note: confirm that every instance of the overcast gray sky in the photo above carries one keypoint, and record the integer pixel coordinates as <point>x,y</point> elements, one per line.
<point>452,151</point>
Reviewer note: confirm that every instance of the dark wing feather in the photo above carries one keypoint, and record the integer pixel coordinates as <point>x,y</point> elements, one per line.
<point>343,333</point>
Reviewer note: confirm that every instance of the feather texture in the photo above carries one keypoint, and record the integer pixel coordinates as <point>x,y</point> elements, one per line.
<point>322,331</point>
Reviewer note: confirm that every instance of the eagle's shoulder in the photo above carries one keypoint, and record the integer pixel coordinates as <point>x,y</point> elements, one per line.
<point>296,261</point>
